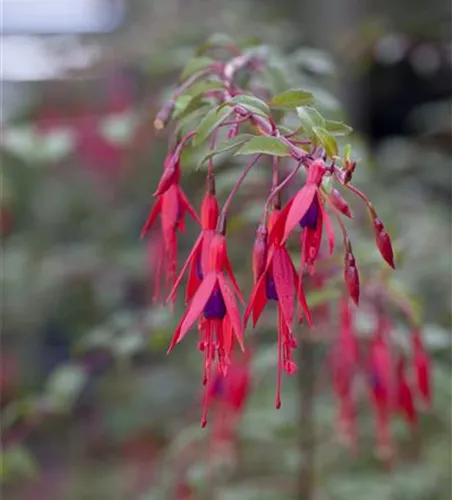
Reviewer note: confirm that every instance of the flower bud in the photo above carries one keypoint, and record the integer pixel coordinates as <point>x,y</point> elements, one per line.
<point>217,253</point>
<point>351,276</point>
<point>260,250</point>
<point>170,176</point>
<point>421,367</point>
<point>164,115</point>
<point>338,201</point>
<point>209,206</point>
<point>233,131</point>
<point>383,241</point>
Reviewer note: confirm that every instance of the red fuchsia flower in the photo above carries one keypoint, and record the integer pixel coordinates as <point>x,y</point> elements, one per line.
<point>421,363</point>
<point>381,379</point>
<point>307,210</point>
<point>171,204</point>
<point>198,260</point>
<point>383,241</point>
<point>214,303</point>
<point>405,400</point>
<point>317,282</point>
<point>277,280</point>
<point>96,152</point>
<point>228,396</point>
<point>344,364</point>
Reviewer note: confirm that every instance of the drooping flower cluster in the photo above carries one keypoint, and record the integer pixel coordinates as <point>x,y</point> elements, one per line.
<point>394,385</point>
<point>212,294</point>
<point>227,398</point>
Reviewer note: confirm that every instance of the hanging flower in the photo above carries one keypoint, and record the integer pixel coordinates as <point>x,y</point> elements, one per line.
<point>171,205</point>
<point>228,396</point>
<point>197,261</point>
<point>405,400</point>
<point>381,380</point>
<point>214,303</point>
<point>421,363</point>
<point>344,368</point>
<point>278,281</point>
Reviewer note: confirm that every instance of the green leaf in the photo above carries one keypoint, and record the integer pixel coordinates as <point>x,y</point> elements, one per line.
<point>275,78</point>
<point>181,104</point>
<point>347,152</point>
<point>184,107</point>
<point>338,129</point>
<point>310,118</point>
<point>265,145</point>
<point>195,65</point>
<point>216,40</point>
<point>227,145</point>
<point>213,118</point>
<point>248,101</point>
<point>191,117</point>
<point>327,141</point>
<point>291,99</point>
<point>192,98</point>
<point>199,88</point>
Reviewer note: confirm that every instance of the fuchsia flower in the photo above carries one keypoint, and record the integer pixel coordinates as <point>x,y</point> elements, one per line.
<point>351,274</point>
<point>198,260</point>
<point>391,391</point>
<point>405,399</point>
<point>421,367</point>
<point>278,281</point>
<point>381,379</point>
<point>212,290</point>
<point>228,396</point>
<point>171,204</point>
<point>215,304</point>
<point>307,210</point>
<point>344,368</point>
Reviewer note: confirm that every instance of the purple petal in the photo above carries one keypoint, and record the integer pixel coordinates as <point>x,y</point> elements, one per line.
<point>215,307</point>
<point>270,288</point>
<point>310,218</point>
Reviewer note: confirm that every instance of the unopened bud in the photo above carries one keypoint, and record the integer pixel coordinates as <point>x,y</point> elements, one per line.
<point>338,201</point>
<point>383,241</point>
<point>351,276</point>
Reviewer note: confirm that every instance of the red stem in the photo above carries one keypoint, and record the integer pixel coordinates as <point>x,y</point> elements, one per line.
<point>237,186</point>
<point>366,200</point>
<point>275,162</point>
<point>212,146</point>
<point>336,213</point>
<point>278,188</point>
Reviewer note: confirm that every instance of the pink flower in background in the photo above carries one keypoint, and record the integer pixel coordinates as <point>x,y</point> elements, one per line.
<point>228,397</point>
<point>171,205</point>
<point>344,368</point>
<point>422,368</point>
<point>95,151</point>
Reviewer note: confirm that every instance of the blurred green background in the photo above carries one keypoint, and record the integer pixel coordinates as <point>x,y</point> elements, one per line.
<point>91,406</point>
